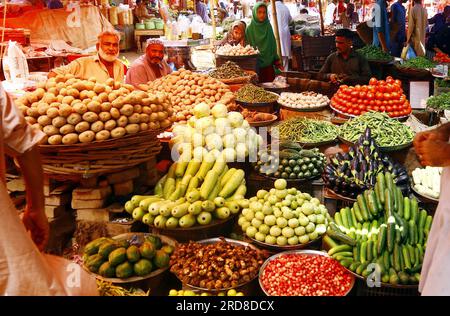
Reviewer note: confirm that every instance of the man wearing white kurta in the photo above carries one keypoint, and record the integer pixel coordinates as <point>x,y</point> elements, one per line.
<point>284,18</point>
<point>433,149</point>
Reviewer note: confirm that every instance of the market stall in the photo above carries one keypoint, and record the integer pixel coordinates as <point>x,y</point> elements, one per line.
<point>297,177</point>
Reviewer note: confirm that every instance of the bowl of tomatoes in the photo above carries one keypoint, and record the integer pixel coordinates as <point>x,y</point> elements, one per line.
<point>379,95</point>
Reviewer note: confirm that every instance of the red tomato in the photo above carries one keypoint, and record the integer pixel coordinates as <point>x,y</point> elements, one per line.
<point>396,108</point>
<point>364,88</point>
<point>386,96</point>
<point>369,108</point>
<point>370,95</point>
<point>379,96</point>
<point>358,88</point>
<point>355,94</point>
<point>362,95</point>
<point>366,102</point>
<point>381,83</point>
<point>398,83</point>
<point>361,107</point>
<point>356,111</point>
<point>394,95</point>
<point>343,87</point>
<point>354,100</point>
<point>378,103</point>
<point>376,108</point>
<point>390,80</point>
<point>372,102</point>
<point>382,108</point>
<point>389,108</point>
<point>390,102</point>
<point>350,111</point>
<point>373,82</point>
<point>381,89</point>
<point>389,88</point>
<point>395,113</point>
<point>402,98</point>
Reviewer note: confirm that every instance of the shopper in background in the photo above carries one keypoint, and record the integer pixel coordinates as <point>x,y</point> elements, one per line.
<point>433,149</point>
<point>346,65</point>
<point>102,66</point>
<point>284,18</point>
<point>329,13</point>
<point>259,34</point>
<point>398,16</point>
<point>202,11</point>
<point>149,66</point>
<point>438,21</point>
<point>236,35</point>
<point>349,17</point>
<point>141,11</point>
<point>417,24</point>
<point>380,21</point>
<point>440,42</point>
<point>340,9</point>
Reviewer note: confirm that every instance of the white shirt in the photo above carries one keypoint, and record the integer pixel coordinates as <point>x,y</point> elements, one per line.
<point>284,18</point>
<point>329,14</point>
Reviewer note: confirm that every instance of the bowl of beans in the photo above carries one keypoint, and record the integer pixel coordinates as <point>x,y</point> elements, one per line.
<point>304,273</point>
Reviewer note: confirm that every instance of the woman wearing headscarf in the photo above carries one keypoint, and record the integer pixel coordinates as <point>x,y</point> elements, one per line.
<point>236,35</point>
<point>259,34</point>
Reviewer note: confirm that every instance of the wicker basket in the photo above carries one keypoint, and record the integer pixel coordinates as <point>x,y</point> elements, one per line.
<point>100,157</point>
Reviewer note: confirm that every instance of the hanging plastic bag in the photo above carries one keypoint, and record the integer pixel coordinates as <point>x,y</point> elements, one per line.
<point>15,66</point>
<point>408,52</point>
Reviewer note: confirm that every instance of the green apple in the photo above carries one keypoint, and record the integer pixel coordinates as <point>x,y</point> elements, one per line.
<point>244,203</point>
<point>314,235</point>
<point>256,206</point>
<point>251,231</point>
<point>275,231</point>
<point>270,240</point>
<point>286,203</point>
<point>282,241</point>
<point>253,199</point>
<point>281,222</point>
<point>261,194</point>
<point>293,222</point>
<point>304,239</point>
<point>260,215</point>
<point>320,219</point>
<point>321,229</point>
<point>270,220</point>
<point>300,231</point>
<point>280,184</point>
<point>303,220</point>
<point>292,191</point>
<point>307,196</point>
<point>267,209</point>
<point>273,199</point>
<point>281,194</point>
<point>278,213</point>
<point>310,227</point>
<point>287,232</point>
<point>293,241</point>
<point>242,220</point>
<point>245,226</point>
<point>300,201</point>
<point>287,214</point>
<point>249,215</point>
<point>263,228</point>
<point>272,191</point>
<point>294,204</point>
<point>307,208</point>
<point>312,218</point>
<point>260,237</point>
<point>256,222</point>
<point>315,201</point>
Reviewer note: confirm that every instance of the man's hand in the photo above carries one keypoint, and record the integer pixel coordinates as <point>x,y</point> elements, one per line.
<point>334,78</point>
<point>433,149</point>
<point>36,222</point>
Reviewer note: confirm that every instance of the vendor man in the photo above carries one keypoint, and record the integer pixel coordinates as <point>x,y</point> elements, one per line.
<point>149,66</point>
<point>346,65</point>
<point>104,65</point>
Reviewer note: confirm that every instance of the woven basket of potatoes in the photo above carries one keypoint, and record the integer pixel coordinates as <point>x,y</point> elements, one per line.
<point>72,111</point>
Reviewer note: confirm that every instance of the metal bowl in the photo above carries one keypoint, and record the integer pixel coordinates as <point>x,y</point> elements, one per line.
<point>233,242</point>
<point>300,252</point>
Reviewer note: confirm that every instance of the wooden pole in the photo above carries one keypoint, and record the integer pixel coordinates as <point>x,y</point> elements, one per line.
<point>321,18</point>
<point>276,30</point>
<point>213,21</point>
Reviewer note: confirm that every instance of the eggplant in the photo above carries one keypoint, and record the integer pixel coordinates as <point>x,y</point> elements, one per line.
<point>364,168</point>
<point>343,168</point>
<point>351,153</point>
<point>368,133</point>
<point>339,157</point>
<point>402,180</point>
<point>346,157</point>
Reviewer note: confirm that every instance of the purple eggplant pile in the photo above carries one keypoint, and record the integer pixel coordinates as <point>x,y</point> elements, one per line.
<point>352,173</point>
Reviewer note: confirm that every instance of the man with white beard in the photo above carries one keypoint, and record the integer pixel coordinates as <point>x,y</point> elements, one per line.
<point>102,66</point>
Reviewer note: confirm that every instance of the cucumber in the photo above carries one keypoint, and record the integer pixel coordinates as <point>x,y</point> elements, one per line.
<point>377,200</point>
<point>381,243</point>
<point>381,184</point>
<point>338,219</point>
<point>358,214</point>
<point>412,254</point>
<point>420,234</point>
<point>407,208</point>
<point>373,231</point>
<point>366,226</point>
<point>363,207</point>
<point>417,256</point>
<point>353,266</point>
<point>386,259</point>
<point>329,242</point>
<point>356,252</point>
<point>373,203</point>
<point>351,224</point>
<point>397,261</point>
<point>421,252</point>
<point>399,194</point>
<point>362,267</point>
<point>348,254</point>
<point>339,248</point>
<point>369,255</point>
<point>344,218</point>
<point>395,198</point>
<point>422,218</point>
<point>346,262</point>
<point>389,183</point>
<point>390,236</point>
<point>398,235</point>
<point>388,203</point>
<point>366,273</point>
<point>393,277</point>
<point>406,258</point>
<point>428,222</point>
<point>412,232</point>
<point>363,255</point>
<point>354,220</point>
<point>370,206</point>
<point>341,257</point>
<point>374,249</point>
<point>414,210</point>
<point>333,233</point>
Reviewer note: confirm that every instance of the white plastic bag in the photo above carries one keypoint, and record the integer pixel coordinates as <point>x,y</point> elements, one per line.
<point>15,66</point>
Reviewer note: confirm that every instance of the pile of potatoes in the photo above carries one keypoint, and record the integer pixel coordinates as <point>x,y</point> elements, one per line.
<point>187,89</point>
<point>70,110</point>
